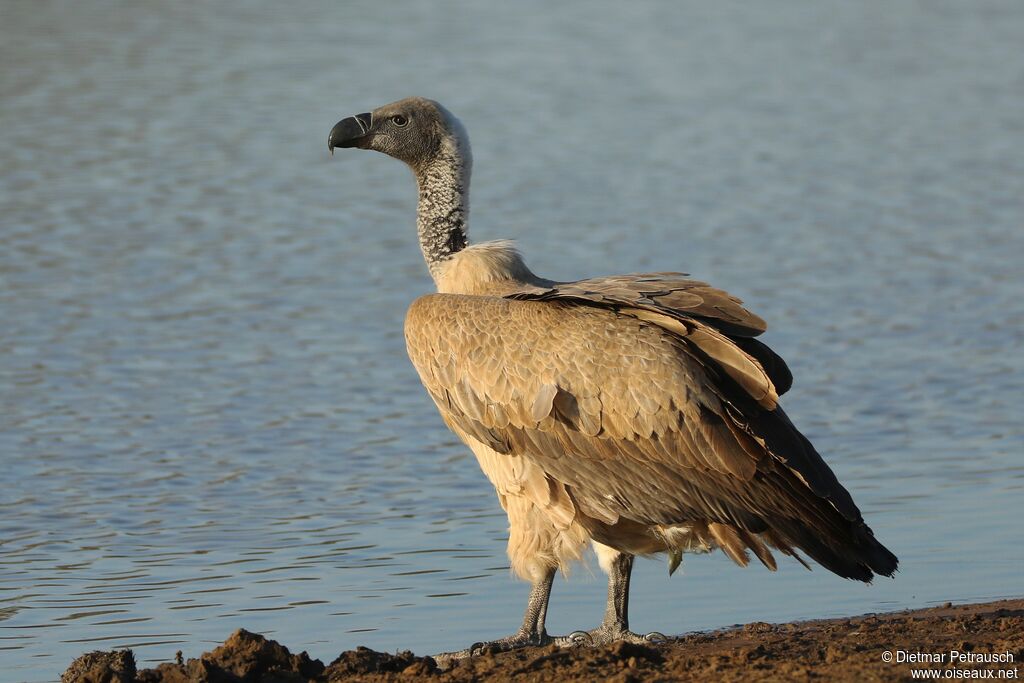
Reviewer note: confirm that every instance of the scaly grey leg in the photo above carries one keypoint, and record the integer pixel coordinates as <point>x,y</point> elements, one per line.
<point>529,634</point>
<point>615,625</point>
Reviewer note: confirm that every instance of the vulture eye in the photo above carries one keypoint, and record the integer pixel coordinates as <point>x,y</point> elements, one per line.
<point>399,120</point>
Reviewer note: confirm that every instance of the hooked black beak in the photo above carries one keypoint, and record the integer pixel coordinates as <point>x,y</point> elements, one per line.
<point>350,132</point>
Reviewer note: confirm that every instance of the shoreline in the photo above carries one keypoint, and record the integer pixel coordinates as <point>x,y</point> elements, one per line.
<point>956,642</point>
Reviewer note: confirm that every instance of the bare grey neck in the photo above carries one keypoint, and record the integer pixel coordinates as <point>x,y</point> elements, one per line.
<point>443,211</point>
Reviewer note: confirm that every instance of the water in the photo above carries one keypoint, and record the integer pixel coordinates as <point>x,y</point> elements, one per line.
<point>207,420</point>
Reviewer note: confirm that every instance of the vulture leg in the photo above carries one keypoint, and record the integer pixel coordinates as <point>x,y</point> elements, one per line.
<point>530,633</point>
<point>615,625</point>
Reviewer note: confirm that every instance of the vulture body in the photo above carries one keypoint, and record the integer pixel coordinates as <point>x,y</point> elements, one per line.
<point>636,413</point>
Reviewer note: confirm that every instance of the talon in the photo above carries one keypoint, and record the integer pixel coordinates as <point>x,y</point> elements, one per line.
<point>581,638</point>
<point>476,649</point>
<point>656,637</point>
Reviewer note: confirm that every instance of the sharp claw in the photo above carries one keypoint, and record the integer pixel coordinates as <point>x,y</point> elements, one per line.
<point>581,638</point>
<point>656,637</point>
<point>476,649</point>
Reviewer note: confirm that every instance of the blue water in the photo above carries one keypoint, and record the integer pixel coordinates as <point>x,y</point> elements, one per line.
<point>207,420</point>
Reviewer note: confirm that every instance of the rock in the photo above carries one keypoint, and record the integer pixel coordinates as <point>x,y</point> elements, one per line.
<point>102,667</point>
<point>251,657</point>
<point>363,660</point>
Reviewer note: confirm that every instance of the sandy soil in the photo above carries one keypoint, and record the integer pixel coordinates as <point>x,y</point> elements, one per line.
<point>829,650</point>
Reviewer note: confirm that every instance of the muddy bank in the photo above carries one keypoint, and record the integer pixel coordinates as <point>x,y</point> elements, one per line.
<point>988,637</point>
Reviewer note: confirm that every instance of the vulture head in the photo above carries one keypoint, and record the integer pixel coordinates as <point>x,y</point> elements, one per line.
<point>415,130</point>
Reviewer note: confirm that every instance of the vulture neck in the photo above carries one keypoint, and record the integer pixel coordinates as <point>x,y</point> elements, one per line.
<point>489,268</point>
<point>443,209</point>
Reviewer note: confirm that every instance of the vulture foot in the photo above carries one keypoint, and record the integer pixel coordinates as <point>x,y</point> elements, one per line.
<point>516,641</point>
<point>605,634</point>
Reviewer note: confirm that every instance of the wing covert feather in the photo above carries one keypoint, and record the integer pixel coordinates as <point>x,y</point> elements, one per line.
<point>647,436</point>
<point>670,293</point>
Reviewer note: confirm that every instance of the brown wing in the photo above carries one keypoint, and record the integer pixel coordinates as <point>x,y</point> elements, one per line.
<point>633,418</point>
<point>668,293</point>
<point>676,296</point>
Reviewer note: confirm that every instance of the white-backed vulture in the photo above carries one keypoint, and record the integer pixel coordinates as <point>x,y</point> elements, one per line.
<point>634,412</point>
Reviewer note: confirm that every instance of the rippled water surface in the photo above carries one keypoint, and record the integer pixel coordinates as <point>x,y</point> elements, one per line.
<point>207,419</point>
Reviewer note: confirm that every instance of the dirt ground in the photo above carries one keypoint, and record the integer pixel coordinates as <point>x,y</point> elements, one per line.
<point>854,649</point>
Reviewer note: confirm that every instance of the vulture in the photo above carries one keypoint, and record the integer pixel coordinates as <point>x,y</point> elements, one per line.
<point>637,413</point>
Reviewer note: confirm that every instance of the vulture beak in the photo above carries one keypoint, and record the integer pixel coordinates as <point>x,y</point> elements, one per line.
<point>350,132</point>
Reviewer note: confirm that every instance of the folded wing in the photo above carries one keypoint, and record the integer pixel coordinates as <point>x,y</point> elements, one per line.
<point>646,412</point>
